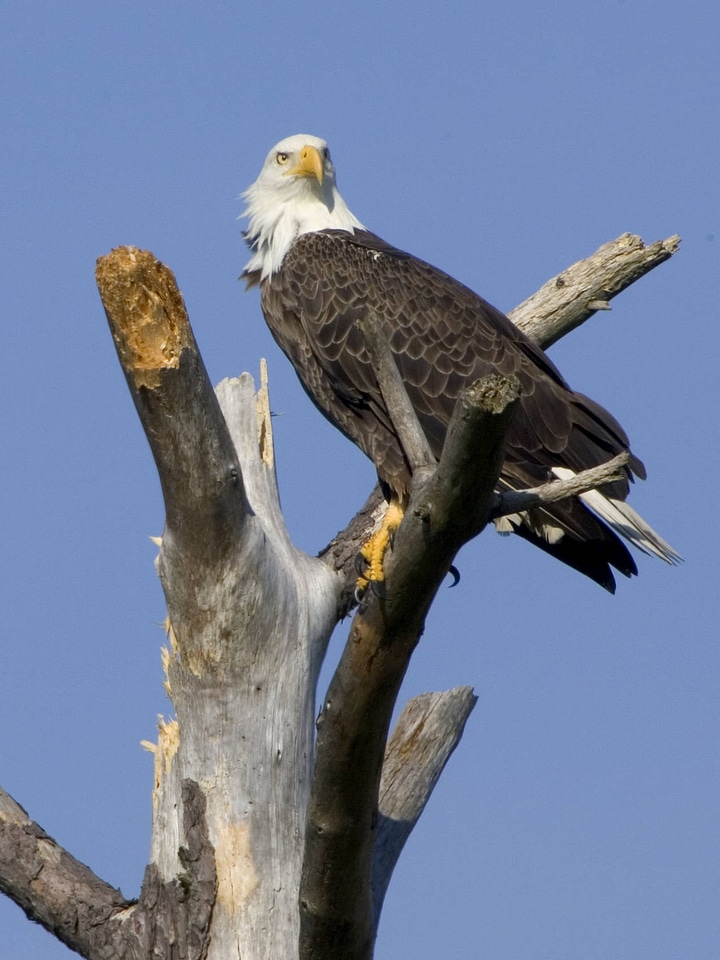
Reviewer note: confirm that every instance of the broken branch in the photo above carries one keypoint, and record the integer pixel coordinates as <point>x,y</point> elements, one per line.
<point>425,735</point>
<point>574,295</point>
<point>517,501</point>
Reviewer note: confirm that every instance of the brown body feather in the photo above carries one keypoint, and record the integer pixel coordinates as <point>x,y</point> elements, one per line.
<point>443,337</point>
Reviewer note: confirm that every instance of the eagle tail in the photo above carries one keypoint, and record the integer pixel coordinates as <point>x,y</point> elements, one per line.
<point>625,521</point>
<point>575,536</point>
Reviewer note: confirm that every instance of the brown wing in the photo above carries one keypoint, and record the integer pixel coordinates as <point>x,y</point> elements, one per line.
<point>443,337</point>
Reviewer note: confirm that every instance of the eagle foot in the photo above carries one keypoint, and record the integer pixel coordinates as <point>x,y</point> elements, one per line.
<point>369,561</point>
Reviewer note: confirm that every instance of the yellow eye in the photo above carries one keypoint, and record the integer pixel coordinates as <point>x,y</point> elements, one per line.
<point>282,158</point>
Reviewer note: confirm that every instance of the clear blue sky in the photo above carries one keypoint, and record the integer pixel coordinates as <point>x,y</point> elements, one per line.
<point>579,817</point>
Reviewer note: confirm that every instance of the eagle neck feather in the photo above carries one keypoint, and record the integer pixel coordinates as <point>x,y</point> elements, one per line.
<point>276,222</point>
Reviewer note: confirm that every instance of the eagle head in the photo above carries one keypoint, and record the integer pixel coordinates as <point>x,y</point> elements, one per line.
<point>295,193</point>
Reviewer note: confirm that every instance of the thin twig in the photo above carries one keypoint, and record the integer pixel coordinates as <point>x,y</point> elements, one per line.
<point>516,501</point>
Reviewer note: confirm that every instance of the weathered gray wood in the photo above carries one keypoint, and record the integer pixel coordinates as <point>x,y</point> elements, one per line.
<point>249,618</point>
<point>574,295</point>
<point>425,735</point>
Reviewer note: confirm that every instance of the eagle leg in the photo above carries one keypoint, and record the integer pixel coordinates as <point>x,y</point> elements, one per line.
<point>369,563</point>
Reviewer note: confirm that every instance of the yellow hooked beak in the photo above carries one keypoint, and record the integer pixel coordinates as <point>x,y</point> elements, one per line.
<point>311,164</point>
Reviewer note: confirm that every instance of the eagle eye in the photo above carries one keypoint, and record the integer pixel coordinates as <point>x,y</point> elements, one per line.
<point>282,157</point>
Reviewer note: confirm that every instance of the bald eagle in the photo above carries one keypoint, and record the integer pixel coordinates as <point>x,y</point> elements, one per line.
<point>319,271</point>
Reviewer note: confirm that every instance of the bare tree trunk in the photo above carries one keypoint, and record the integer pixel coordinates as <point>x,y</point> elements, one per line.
<point>265,842</point>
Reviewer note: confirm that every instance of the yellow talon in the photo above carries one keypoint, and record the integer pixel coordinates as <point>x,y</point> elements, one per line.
<point>373,552</point>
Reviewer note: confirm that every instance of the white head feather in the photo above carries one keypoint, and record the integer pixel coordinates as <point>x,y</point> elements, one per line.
<point>295,193</point>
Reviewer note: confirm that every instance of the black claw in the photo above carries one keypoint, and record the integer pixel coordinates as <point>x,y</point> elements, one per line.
<point>378,589</point>
<point>455,574</point>
<point>361,564</point>
<point>360,593</point>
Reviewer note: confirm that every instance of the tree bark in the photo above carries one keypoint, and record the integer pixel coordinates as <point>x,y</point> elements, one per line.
<point>265,843</point>
<point>170,920</point>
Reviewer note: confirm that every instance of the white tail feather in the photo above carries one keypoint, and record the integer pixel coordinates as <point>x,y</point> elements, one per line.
<point>625,521</point>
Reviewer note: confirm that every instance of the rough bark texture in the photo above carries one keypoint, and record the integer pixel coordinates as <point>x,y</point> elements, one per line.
<point>55,889</point>
<point>173,917</point>
<point>170,920</point>
<point>236,868</point>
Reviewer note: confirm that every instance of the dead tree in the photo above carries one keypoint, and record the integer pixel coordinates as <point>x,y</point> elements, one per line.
<point>275,836</point>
